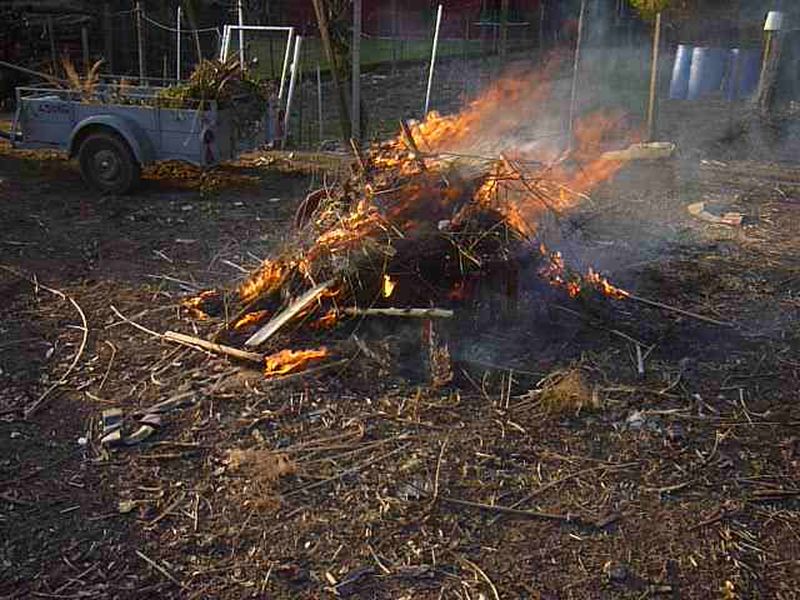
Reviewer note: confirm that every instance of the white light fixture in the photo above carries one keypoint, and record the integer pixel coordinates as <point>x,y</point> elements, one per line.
<point>774,21</point>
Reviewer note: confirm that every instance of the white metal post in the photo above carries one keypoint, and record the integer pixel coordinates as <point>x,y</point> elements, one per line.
<point>241,35</point>
<point>433,60</point>
<point>178,45</point>
<point>286,56</point>
<point>292,80</point>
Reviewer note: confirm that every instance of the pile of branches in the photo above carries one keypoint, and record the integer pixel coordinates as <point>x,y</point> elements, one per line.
<point>404,235</point>
<point>225,83</point>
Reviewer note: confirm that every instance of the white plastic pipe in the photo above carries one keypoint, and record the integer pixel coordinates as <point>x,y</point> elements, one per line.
<point>292,81</point>
<point>178,45</point>
<point>241,35</point>
<point>433,60</point>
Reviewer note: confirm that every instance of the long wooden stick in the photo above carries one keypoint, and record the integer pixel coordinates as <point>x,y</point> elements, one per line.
<point>355,113</point>
<point>651,105</point>
<point>194,342</point>
<point>680,311</point>
<point>529,514</point>
<point>420,313</point>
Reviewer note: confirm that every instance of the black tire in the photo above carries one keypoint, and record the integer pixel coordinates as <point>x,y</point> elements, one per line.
<point>108,164</point>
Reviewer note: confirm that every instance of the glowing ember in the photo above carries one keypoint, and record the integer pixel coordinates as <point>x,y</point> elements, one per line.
<point>388,286</point>
<point>194,305</point>
<point>291,361</point>
<point>250,319</point>
<point>326,321</point>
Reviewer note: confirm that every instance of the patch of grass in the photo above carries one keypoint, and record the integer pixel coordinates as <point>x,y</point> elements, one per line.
<point>567,392</point>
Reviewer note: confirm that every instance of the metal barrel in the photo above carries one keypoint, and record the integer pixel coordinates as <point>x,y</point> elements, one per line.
<point>733,75</point>
<point>707,71</point>
<point>679,84</point>
<point>743,71</point>
<point>750,70</point>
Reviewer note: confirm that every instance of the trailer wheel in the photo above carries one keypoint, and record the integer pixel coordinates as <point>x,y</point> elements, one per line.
<point>107,163</point>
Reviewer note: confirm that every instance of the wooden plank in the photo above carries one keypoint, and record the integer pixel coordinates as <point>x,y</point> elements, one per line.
<point>286,315</point>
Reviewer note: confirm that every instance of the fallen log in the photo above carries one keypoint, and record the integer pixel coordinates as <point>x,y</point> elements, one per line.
<point>194,342</point>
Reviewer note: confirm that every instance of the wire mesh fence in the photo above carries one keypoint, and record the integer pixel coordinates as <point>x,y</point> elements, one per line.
<point>477,45</point>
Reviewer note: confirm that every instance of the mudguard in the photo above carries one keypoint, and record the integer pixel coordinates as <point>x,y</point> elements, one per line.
<point>132,133</point>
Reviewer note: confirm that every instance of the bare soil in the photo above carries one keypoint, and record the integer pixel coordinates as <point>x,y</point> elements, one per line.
<point>679,483</point>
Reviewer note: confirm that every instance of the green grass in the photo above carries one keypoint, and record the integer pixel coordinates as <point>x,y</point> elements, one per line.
<point>374,52</point>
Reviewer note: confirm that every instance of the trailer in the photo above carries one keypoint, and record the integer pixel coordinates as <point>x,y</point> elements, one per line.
<point>115,129</point>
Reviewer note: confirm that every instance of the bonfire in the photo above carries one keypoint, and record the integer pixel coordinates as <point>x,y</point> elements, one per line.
<point>421,218</point>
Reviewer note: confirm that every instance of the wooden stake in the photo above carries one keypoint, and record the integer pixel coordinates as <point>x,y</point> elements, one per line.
<point>573,101</point>
<point>85,48</point>
<point>542,6</point>
<point>355,114</point>
<point>107,37</point>
<point>503,27</point>
<point>322,22</point>
<point>395,33</point>
<point>51,34</point>
<point>651,105</point>
<point>319,104</point>
<point>140,42</point>
<point>768,81</point>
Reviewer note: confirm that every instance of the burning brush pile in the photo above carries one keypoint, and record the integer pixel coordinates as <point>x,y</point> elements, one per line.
<point>420,222</point>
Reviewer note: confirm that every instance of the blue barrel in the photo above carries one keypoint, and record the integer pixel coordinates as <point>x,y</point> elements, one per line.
<point>679,84</point>
<point>716,62</point>
<point>743,72</point>
<point>750,69</point>
<point>733,75</point>
<point>707,71</point>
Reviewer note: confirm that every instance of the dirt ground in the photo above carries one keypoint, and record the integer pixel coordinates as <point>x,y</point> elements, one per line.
<point>681,482</point>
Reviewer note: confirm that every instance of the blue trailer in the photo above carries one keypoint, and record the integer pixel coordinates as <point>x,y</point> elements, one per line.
<point>114,130</point>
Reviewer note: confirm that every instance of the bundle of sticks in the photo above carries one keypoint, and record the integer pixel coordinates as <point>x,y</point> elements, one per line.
<point>404,235</point>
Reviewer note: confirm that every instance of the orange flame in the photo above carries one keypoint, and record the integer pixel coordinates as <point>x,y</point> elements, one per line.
<point>268,278</point>
<point>250,319</point>
<point>326,321</point>
<point>605,287</point>
<point>291,361</point>
<point>555,271</point>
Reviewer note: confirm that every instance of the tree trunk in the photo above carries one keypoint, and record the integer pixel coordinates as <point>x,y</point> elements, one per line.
<point>333,61</point>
